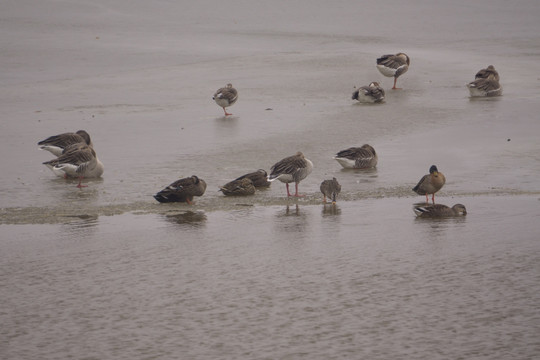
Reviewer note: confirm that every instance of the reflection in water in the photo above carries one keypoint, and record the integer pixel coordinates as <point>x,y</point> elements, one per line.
<point>193,218</point>
<point>330,210</point>
<point>291,220</point>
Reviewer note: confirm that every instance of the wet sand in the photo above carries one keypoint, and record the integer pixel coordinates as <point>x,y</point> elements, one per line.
<point>140,77</point>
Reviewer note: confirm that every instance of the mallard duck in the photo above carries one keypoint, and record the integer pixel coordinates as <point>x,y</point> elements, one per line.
<point>182,190</point>
<point>225,97</point>
<point>430,183</point>
<point>439,210</point>
<point>363,157</point>
<point>330,189</point>
<point>393,66</point>
<point>259,178</point>
<point>372,93</point>
<point>484,87</point>
<point>56,144</point>
<point>240,187</point>
<point>291,169</point>
<point>484,73</point>
<point>78,160</point>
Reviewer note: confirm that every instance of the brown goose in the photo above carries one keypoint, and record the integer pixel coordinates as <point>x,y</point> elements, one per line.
<point>182,190</point>
<point>363,157</point>
<point>57,143</point>
<point>291,169</point>
<point>330,189</point>
<point>225,97</point>
<point>484,87</point>
<point>240,187</point>
<point>259,178</point>
<point>439,210</point>
<point>484,73</point>
<point>372,93</point>
<point>78,160</point>
<point>430,183</point>
<point>393,66</point>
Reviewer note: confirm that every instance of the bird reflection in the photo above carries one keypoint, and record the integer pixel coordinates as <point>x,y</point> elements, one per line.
<point>331,210</point>
<point>194,218</point>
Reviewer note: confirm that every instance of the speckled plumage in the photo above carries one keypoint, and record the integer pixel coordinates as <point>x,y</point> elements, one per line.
<point>330,189</point>
<point>241,187</point>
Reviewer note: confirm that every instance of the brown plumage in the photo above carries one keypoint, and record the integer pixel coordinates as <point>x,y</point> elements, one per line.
<point>393,66</point>
<point>363,157</point>
<point>430,183</point>
<point>485,87</point>
<point>240,187</point>
<point>225,97</point>
<point>484,73</point>
<point>78,161</point>
<point>182,190</point>
<point>330,189</point>
<point>291,169</point>
<point>259,178</point>
<point>56,144</point>
<point>373,93</point>
<point>439,210</point>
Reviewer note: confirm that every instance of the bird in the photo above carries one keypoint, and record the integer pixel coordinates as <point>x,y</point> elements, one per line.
<point>430,183</point>
<point>240,187</point>
<point>182,190</point>
<point>372,93</point>
<point>439,210</point>
<point>484,73</point>
<point>294,168</point>
<point>393,66</point>
<point>57,143</point>
<point>485,87</point>
<point>259,178</point>
<point>363,157</point>
<point>330,189</point>
<point>225,97</point>
<point>78,160</point>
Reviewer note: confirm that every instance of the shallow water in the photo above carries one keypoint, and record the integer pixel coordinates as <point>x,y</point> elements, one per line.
<point>107,272</point>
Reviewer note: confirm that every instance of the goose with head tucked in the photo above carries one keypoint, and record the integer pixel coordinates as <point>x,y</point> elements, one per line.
<point>485,87</point>
<point>182,190</point>
<point>77,161</point>
<point>439,210</point>
<point>373,93</point>
<point>431,183</point>
<point>259,178</point>
<point>56,144</point>
<point>363,157</point>
<point>393,66</point>
<point>225,97</point>
<point>294,168</point>
<point>237,187</point>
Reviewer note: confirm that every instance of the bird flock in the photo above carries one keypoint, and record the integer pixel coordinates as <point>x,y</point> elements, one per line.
<point>75,156</point>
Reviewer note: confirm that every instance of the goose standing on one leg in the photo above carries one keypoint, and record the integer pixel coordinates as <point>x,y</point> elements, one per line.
<point>393,66</point>
<point>57,143</point>
<point>226,97</point>
<point>78,160</point>
<point>330,189</point>
<point>430,183</point>
<point>291,169</point>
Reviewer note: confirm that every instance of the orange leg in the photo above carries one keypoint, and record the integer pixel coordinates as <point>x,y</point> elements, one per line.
<point>80,185</point>
<point>226,113</point>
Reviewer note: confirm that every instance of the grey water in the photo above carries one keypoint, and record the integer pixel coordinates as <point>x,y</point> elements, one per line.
<point>105,272</point>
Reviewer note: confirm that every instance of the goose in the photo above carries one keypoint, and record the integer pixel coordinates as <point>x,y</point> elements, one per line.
<point>259,178</point>
<point>225,97</point>
<point>485,87</point>
<point>393,66</point>
<point>372,93</point>
<point>57,143</point>
<point>363,157</point>
<point>430,183</point>
<point>439,210</point>
<point>237,187</point>
<point>330,189</point>
<point>294,168</point>
<point>182,190</point>
<point>484,73</point>
<point>78,160</point>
